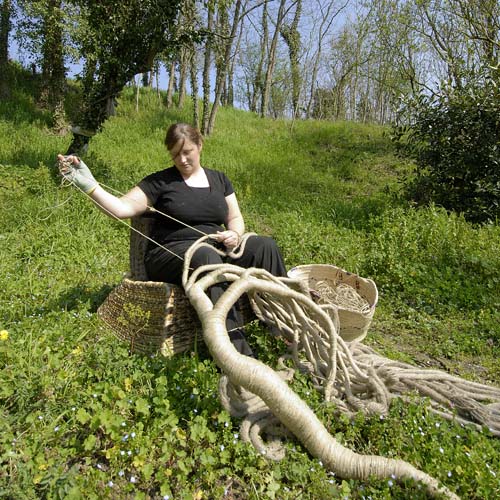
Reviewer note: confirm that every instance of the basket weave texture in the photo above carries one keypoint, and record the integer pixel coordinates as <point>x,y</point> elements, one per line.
<point>353,323</point>
<point>153,316</point>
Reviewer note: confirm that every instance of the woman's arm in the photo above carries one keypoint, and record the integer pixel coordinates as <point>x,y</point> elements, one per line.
<point>234,220</point>
<point>235,225</point>
<point>134,203</point>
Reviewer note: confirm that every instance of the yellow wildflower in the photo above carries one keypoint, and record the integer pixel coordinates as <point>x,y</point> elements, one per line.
<point>128,384</point>
<point>4,335</point>
<point>77,351</point>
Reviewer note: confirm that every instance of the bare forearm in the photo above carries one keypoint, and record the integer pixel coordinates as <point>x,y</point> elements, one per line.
<point>236,224</point>
<point>118,208</point>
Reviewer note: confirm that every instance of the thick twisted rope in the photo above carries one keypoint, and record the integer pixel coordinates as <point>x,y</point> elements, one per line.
<point>249,376</point>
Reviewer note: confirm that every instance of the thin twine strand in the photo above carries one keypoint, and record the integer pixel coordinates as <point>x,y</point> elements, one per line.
<point>112,215</point>
<point>153,209</point>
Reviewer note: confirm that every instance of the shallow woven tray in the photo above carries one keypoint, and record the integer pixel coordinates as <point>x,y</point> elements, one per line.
<point>353,324</point>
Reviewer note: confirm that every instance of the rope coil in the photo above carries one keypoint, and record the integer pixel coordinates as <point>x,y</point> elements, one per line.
<point>351,375</point>
<point>342,295</point>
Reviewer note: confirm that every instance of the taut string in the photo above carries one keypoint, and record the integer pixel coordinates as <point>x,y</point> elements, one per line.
<point>152,209</point>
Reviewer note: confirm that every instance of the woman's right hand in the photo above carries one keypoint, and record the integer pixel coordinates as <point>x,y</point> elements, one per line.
<point>74,170</point>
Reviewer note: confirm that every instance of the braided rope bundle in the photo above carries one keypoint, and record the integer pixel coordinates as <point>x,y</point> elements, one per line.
<point>245,376</point>
<point>355,377</point>
<point>342,295</point>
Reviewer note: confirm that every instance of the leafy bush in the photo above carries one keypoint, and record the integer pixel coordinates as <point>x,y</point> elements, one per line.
<point>455,140</point>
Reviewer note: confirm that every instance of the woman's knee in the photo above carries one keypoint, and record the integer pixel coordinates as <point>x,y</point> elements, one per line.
<point>259,242</point>
<point>204,256</point>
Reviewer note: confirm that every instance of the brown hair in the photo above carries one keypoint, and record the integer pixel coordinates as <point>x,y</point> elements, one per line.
<point>180,131</point>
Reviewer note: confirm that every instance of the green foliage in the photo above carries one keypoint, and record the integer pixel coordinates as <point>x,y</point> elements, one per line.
<point>84,418</point>
<point>455,140</point>
<point>435,262</point>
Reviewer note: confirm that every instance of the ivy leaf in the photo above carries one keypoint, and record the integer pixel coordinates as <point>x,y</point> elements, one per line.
<point>82,416</point>
<point>142,406</point>
<point>89,443</point>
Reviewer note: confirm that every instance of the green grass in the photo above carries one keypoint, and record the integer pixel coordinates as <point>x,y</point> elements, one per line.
<point>83,418</point>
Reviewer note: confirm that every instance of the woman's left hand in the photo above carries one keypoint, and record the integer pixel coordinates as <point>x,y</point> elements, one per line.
<point>229,238</point>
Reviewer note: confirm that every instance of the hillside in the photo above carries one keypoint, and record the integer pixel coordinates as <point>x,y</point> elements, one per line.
<point>83,418</point>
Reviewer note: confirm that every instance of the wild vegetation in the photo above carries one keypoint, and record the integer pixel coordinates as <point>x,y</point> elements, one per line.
<point>84,418</point>
<point>454,139</point>
<point>349,60</point>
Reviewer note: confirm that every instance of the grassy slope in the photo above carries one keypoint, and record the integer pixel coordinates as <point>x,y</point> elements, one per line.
<point>70,393</point>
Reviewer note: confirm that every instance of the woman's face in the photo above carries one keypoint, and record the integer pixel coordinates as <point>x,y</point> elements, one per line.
<point>186,156</point>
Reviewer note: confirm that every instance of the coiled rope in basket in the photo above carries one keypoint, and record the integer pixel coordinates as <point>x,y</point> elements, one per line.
<point>350,374</point>
<point>354,297</point>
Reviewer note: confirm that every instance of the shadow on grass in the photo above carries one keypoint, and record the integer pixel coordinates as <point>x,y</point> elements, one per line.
<point>21,106</point>
<point>341,144</point>
<point>23,116</point>
<point>32,158</point>
<point>359,213</point>
<point>80,294</point>
<point>74,298</point>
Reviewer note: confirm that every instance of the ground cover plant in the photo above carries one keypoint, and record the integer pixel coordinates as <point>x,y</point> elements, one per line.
<point>84,418</point>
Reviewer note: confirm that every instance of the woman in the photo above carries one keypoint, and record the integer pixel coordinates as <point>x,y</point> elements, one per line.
<point>200,201</point>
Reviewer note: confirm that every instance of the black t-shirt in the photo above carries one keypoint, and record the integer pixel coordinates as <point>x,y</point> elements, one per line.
<point>202,208</point>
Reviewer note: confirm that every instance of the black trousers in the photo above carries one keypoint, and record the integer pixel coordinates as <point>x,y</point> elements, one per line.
<point>260,251</point>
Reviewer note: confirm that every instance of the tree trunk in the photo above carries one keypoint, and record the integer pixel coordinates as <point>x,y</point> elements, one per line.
<point>258,83</point>
<point>222,30</point>
<point>206,71</point>
<point>157,80</point>
<point>5,26</point>
<point>291,35</point>
<point>171,85</point>
<point>230,73</point>
<point>137,91</point>
<point>183,72</point>
<point>193,69</point>
<point>53,71</point>
<point>221,76</point>
<point>272,61</point>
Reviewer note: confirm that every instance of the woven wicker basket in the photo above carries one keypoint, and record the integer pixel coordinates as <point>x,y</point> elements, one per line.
<point>153,316</point>
<point>353,324</point>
